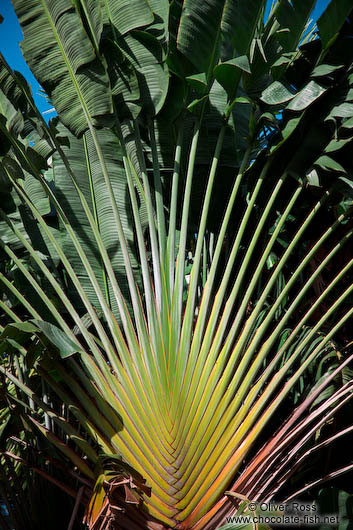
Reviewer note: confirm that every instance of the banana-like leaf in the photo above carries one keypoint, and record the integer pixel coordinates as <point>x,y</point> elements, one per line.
<point>91,13</point>
<point>161,10</point>
<point>240,22</point>
<point>126,16</point>
<point>277,93</point>
<point>147,55</point>
<point>83,160</point>
<point>202,27</point>
<point>293,22</point>
<point>65,346</point>
<point>332,20</point>
<point>15,121</point>
<point>199,32</point>
<point>123,80</point>
<point>12,86</point>
<point>62,57</point>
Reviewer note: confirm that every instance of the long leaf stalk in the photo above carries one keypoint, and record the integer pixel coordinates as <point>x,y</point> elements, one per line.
<point>105,369</point>
<point>36,286</point>
<point>310,401</point>
<point>122,440</point>
<point>147,436</point>
<point>342,401</point>
<point>217,338</point>
<point>142,372</point>
<point>159,346</point>
<point>118,224</point>
<point>136,300</point>
<point>7,310</point>
<point>53,141</point>
<point>156,251</point>
<point>162,233</point>
<point>260,331</point>
<point>183,354</point>
<point>234,249</point>
<point>95,428</point>
<point>256,410</point>
<point>171,246</point>
<point>124,314</point>
<point>294,378</point>
<point>189,313</point>
<point>67,264</point>
<point>266,348</point>
<point>69,430</point>
<point>94,203</point>
<point>200,417</point>
<point>204,261</point>
<point>115,394</point>
<point>88,118</point>
<point>98,325</point>
<point>270,284</point>
<point>96,147</point>
<point>177,302</point>
<point>291,432</point>
<point>22,299</point>
<point>314,449</point>
<point>253,485</point>
<point>207,290</point>
<point>244,444</point>
<point>269,369</point>
<point>318,482</point>
<point>300,268</point>
<point>151,307</point>
<point>164,317</point>
<point>54,283</point>
<point>248,412</point>
<point>109,428</point>
<point>206,422</point>
<point>171,243</point>
<point>242,340</point>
